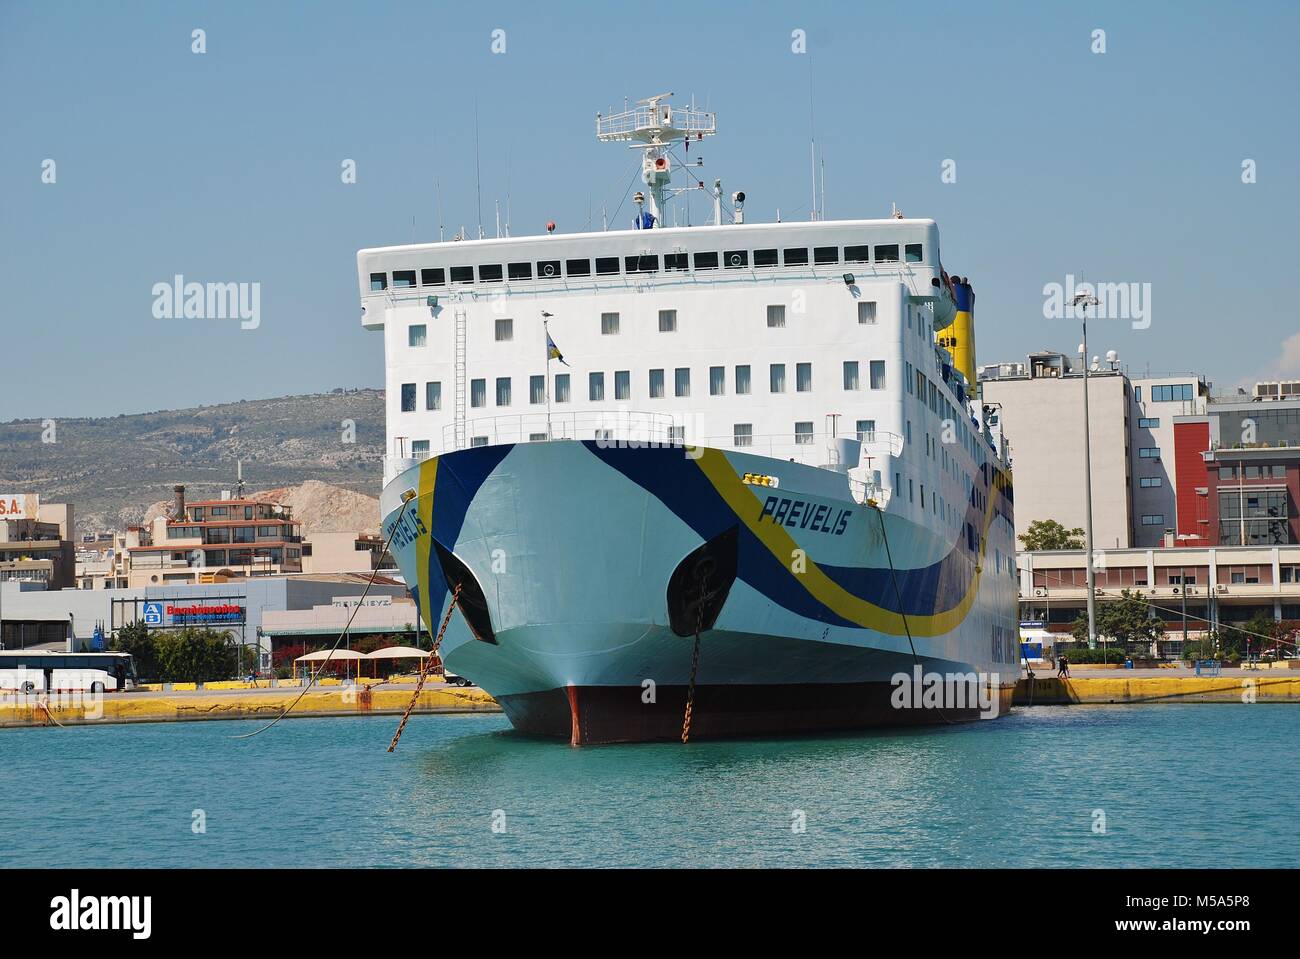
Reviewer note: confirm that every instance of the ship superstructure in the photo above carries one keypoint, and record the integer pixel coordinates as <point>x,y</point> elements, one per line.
<point>579,420</point>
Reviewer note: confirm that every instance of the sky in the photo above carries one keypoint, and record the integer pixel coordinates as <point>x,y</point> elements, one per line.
<point>1122,166</point>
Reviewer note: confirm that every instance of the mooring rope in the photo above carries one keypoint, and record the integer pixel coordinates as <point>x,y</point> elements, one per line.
<point>426,666</point>
<point>346,626</point>
<point>898,594</point>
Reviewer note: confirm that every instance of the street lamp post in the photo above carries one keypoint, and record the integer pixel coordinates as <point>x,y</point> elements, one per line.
<point>1082,301</point>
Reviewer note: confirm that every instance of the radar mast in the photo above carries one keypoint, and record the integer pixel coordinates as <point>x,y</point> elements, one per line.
<point>654,127</point>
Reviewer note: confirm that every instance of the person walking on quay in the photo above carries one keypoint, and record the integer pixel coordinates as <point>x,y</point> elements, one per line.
<point>1063,667</point>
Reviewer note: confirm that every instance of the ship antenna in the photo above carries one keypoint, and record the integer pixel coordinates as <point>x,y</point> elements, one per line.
<point>812,136</point>
<point>509,150</point>
<point>437,193</point>
<point>653,127</point>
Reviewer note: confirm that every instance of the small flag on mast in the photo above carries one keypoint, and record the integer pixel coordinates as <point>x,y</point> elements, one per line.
<point>553,351</point>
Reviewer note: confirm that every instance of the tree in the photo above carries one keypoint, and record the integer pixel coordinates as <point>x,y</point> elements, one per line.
<point>1125,621</point>
<point>194,655</point>
<point>1259,634</point>
<point>1049,534</point>
<point>135,638</point>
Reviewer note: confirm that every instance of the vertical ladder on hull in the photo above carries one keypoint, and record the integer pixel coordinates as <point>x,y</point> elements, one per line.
<point>459,360</point>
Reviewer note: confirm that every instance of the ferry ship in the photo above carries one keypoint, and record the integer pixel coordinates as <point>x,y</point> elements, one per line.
<point>730,479</point>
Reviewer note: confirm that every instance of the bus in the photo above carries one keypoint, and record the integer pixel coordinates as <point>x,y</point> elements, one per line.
<point>43,671</point>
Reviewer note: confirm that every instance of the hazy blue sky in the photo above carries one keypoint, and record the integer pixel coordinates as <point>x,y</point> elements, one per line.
<point>225,166</point>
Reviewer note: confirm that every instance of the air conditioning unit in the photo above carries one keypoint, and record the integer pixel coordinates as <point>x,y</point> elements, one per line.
<point>1178,590</point>
<point>1222,588</point>
<point>1040,591</point>
<point>1099,591</point>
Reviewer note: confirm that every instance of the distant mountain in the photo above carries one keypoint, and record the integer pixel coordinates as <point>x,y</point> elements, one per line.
<point>113,468</point>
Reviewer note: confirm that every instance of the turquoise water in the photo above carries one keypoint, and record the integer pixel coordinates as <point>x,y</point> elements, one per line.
<point>1194,785</point>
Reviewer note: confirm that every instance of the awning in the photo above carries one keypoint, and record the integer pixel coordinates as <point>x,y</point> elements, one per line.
<point>339,654</point>
<point>398,652</point>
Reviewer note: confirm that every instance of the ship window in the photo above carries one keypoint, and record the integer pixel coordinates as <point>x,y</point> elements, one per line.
<point>706,261</point>
<point>765,258</point>
<point>682,381</point>
<point>403,278</point>
<point>505,330</point>
<point>433,395</point>
<point>877,374</point>
<point>646,263</point>
<point>462,274</point>
<point>489,273</point>
<point>537,437</point>
<point>520,271</point>
<point>797,256</point>
<point>675,261</point>
<point>667,321</point>
<point>596,387</point>
<point>577,267</point>
<point>536,389</point>
<point>548,268</point>
<point>606,265</point>
<point>857,254</point>
<point>622,384</point>
<point>608,323</point>
<point>803,377</point>
<point>656,384</point>
<point>478,441</point>
<point>742,380</point>
<point>776,315</point>
<point>378,281</point>
<point>417,334</point>
<point>435,276</point>
<point>717,380</point>
<point>478,393</point>
<point>826,254</point>
<point>913,253</point>
<point>736,259</point>
<point>742,434</point>
<point>776,378</point>
<point>503,391</point>
<point>867,312</point>
<point>561,387</point>
<point>851,375</point>
<point>887,253</point>
<point>408,406</point>
<point>803,433</point>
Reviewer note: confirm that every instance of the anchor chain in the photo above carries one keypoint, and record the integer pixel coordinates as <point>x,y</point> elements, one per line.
<point>695,663</point>
<point>425,667</point>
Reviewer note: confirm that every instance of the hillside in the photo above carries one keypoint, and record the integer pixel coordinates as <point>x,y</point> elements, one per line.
<point>113,468</point>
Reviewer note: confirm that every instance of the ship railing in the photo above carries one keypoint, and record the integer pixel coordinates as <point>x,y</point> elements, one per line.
<point>612,425</point>
<point>864,492</point>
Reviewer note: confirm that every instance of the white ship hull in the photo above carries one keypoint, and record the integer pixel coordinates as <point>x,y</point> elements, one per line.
<point>585,570</point>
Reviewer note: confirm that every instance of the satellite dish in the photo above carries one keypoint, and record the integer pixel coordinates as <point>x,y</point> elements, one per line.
<point>1112,356</point>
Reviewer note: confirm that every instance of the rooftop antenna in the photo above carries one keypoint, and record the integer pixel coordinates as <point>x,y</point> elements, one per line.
<point>498,209</point>
<point>478,180</point>
<point>653,127</point>
<point>239,479</point>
